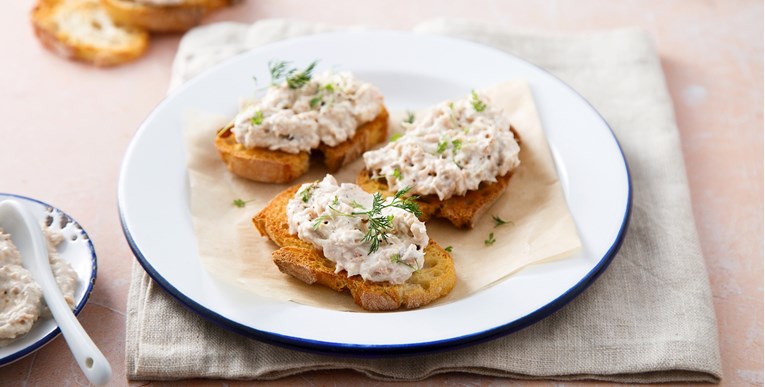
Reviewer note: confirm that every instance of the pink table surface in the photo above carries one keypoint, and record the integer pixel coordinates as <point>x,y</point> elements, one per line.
<point>66,127</point>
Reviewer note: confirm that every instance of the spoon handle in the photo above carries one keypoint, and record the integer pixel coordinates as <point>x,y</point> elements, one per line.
<point>90,359</point>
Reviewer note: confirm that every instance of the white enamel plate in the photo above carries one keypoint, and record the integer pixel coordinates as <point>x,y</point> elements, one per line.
<point>413,71</point>
<point>76,248</point>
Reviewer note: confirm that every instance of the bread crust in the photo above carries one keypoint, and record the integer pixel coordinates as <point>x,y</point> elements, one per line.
<point>301,260</point>
<point>162,18</point>
<point>274,166</point>
<point>462,211</point>
<point>55,37</point>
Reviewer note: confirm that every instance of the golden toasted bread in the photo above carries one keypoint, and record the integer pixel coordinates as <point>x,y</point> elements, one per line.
<point>174,16</point>
<point>82,30</point>
<point>273,166</point>
<point>301,260</point>
<point>462,211</point>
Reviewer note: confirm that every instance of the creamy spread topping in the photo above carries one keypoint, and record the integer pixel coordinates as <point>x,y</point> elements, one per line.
<point>9,254</point>
<point>66,277</point>
<point>343,220</point>
<point>21,300</point>
<point>327,109</point>
<point>449,151</point>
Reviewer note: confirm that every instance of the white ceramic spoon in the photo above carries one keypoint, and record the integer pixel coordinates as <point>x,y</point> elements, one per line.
<point>28,237</point>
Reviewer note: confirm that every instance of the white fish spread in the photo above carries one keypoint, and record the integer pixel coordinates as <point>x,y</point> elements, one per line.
<point>21,299</point>
<point>330,216</point>
<point>449,151</point>
<point>327,110</point>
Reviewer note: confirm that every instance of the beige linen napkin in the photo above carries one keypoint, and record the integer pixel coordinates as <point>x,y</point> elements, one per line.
<point>649,318</point>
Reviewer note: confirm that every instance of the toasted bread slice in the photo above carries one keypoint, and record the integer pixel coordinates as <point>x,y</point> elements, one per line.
<point>301,260</point>
<point>462,211</point>
<point>273,166</point>
<point>170,17</point>
<point>82,30</point>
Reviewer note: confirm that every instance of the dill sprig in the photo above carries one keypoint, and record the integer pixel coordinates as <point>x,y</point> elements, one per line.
<point>456,146</point>
<point>396,258</point>
<point>409,117</point>
<point>277,70</point>
<point>306,193</point>
<point>257,119</point>
<point>298,80</point>
<point>442,146</point>
<point>379,226</point>
<point>478,105</point>
<point>295,79</point>
<point>315,101</point>
<point>319,97</point>
<point>490,241</point>
<point>499,221</point>
<point>240,203</point>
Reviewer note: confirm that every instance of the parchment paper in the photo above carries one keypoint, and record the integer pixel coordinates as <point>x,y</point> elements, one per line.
<point>540,226</point>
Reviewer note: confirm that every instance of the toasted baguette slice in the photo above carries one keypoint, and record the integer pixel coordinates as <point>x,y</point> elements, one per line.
<point>82,30</point>
<point>273,166</point>
<point>462,211</point>
<point>301,260</point>
<point>173,17</point>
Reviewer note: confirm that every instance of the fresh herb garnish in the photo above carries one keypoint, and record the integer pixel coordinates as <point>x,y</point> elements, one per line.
<point>319,97</point>
<point>305,194</point>
<point>396,258</point>
<point>240,203</point>
<point>294,79</point>
<point>452,114</point>
<point>396,173</point>
<point>298,80</point>
<point>490,241</point>
<point>456,146</point>
<point>499,221</point>
<point>317,222</point>
<point>395,137</point>
<point>379,225</point>
<point>409,117</point>
<point>478,105</point>
<point>442,146</point>
<point>316,100</point>
<point>257,119</point>
<point>277,70</point>
<point>448,249</point>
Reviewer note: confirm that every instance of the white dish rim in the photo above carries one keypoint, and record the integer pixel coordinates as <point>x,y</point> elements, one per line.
<point>353,349</point>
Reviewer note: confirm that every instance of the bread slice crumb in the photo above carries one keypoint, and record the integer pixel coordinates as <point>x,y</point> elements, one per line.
<point>83,30</point>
